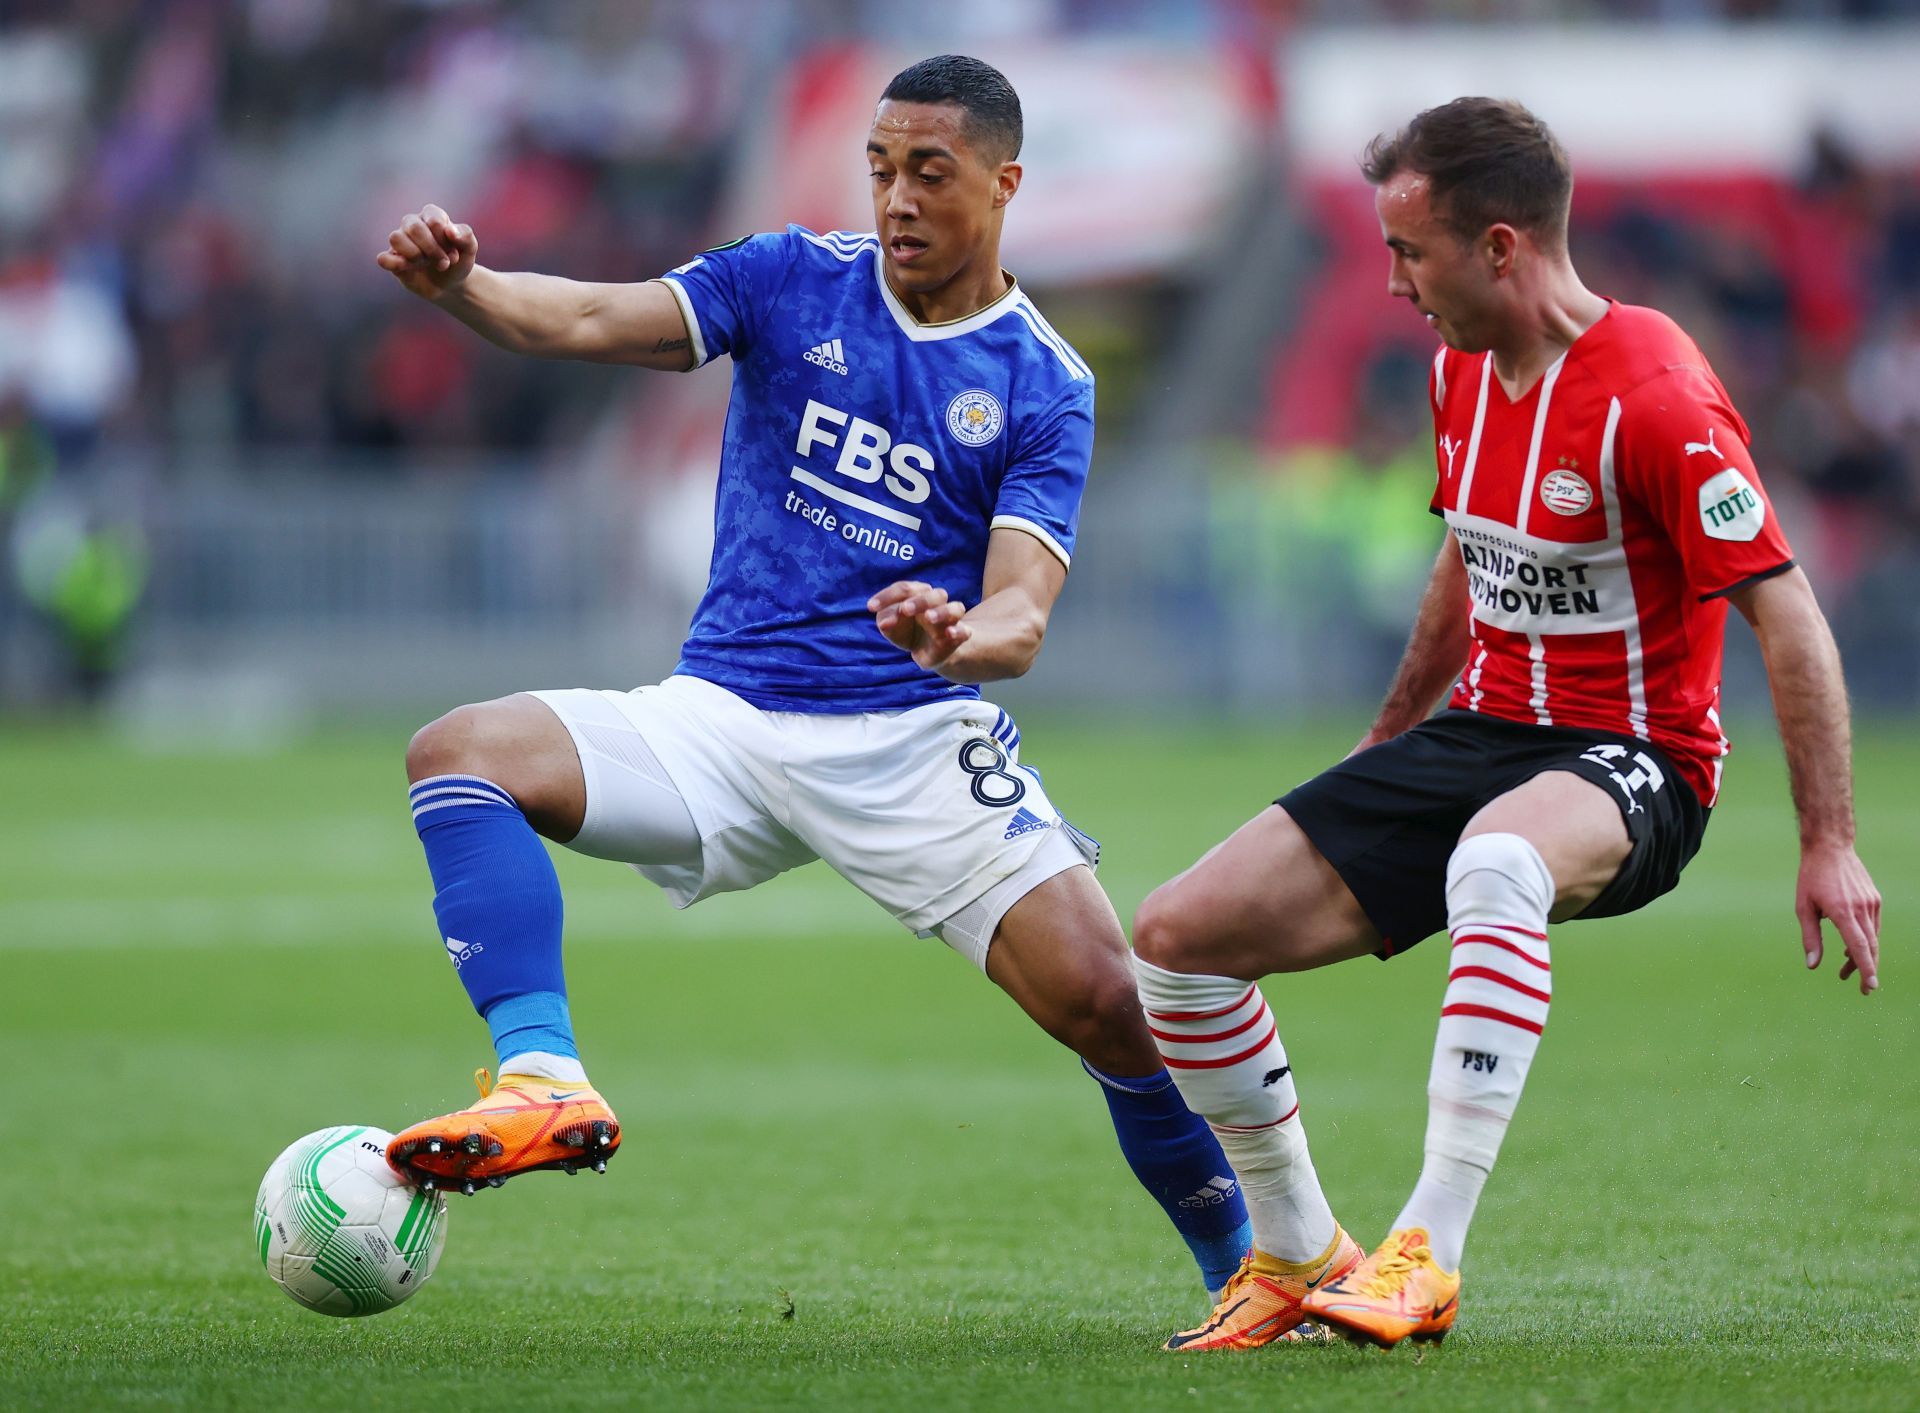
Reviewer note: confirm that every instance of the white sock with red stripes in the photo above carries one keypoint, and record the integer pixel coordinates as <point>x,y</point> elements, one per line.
<point>1223,1050</point>
<point>1499,983</point>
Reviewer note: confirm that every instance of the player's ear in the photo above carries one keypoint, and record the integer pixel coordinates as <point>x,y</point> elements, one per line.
<point>1501,245</point>
<point>1006,181</point>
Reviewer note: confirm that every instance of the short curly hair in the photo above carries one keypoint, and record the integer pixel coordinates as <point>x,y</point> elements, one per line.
<point>993,123</point>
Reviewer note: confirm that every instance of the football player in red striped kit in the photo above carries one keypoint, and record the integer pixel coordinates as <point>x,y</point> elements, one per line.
<point>1602,511</point>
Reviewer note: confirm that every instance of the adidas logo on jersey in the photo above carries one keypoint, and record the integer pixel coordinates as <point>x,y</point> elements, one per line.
<point>1216,1191</point>
<point>1025,821</point>
<point>828,355</point>
<point>460,952</point>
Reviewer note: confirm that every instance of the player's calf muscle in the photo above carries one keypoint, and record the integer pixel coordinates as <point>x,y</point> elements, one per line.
<point>1060,955</point>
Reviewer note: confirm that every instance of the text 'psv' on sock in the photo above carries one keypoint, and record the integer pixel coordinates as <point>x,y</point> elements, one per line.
<point>1174,1155</point>
<point>497,900</point>
<point>1499,986</point>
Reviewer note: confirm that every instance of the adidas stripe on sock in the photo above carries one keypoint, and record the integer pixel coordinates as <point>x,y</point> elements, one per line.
<point>497,900</point>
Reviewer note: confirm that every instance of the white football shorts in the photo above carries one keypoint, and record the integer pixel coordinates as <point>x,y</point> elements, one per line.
<point>927,811</point>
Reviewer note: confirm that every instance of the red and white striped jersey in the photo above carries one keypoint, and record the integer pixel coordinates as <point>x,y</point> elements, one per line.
<point>1603,518</point>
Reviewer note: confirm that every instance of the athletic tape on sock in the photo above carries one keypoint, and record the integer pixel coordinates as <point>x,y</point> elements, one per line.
<point>1221,1045</point>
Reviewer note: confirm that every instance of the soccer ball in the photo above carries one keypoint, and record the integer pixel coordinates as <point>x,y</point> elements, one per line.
<point>339,1230</point>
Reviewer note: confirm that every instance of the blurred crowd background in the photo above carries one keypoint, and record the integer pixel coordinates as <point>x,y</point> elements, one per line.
<point>244,478</point>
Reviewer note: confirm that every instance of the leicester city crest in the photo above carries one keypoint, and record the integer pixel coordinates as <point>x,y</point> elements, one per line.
<point>975,417</point>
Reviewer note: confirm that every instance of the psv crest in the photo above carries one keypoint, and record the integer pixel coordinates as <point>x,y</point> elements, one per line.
<point>1565,492</point>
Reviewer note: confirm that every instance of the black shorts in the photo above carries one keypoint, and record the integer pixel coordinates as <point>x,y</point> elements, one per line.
<point>1388,818</point>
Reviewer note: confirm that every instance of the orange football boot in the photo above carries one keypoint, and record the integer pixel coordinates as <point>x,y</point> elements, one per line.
<point>523,1124</point>
<point>1396,1293</point>
<point>1265,1299</point>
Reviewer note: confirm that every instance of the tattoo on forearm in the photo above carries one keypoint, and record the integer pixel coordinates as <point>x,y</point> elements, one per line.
<point>668,345</point>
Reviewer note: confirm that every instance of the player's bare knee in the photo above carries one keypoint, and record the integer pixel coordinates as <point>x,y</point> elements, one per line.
<point>1114,1001</point>
<point>1156,929</point>
<point>479,739</point>
<point>459,743</point>
<point>1166,933</point>
<point>1102,1021</point>
<point>1498,869</point>
<point>441,747</point>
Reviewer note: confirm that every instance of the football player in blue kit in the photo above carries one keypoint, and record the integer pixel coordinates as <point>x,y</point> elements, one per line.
<point>904,456</point>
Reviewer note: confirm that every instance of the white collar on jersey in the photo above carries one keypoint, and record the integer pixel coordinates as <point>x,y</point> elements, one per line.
<point>952,328</point>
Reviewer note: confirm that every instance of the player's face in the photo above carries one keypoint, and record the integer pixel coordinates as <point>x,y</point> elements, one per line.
<point>937,201</point>
<point>1447,279</point>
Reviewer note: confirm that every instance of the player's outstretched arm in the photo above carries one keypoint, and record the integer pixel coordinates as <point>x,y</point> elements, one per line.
<point>1436,650</point>
<point>1000,637</point>
<point>544,316</point>
<point>1810,700</point>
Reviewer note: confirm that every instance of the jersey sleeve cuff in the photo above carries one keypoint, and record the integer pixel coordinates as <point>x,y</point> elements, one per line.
<point>1749,581</point>
<point>691,319</point>
<point>1016,522</point>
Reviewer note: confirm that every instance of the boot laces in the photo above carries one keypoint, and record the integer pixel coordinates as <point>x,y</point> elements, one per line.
<point>483,1081</point>
<point>1238,1279</point>
<point>1391,1271</point>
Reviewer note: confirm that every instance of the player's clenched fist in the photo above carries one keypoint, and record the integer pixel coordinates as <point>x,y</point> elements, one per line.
<point>919,619</point>
<point>429,253</point>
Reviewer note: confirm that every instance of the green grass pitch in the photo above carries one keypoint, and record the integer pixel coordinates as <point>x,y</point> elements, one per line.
<point>854,1176</point>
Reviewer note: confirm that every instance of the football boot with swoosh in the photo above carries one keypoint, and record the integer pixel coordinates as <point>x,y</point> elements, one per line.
<point>523,1124</point>
<point>1265,1299</point>
<point>1398,1292</point>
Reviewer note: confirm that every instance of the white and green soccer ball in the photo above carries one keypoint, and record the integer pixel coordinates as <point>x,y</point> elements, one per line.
<point>340,1231</point>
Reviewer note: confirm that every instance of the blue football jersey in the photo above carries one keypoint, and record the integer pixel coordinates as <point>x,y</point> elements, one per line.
<point>861,448</point>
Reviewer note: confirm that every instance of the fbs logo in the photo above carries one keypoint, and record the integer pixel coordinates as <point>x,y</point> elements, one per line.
<point>869,456</point>
<point>828,355</point>
<point>459,951</point>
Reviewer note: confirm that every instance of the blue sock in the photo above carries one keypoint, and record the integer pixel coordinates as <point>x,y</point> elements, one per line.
<point>1178,1160</point>
<point>497,900</point>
